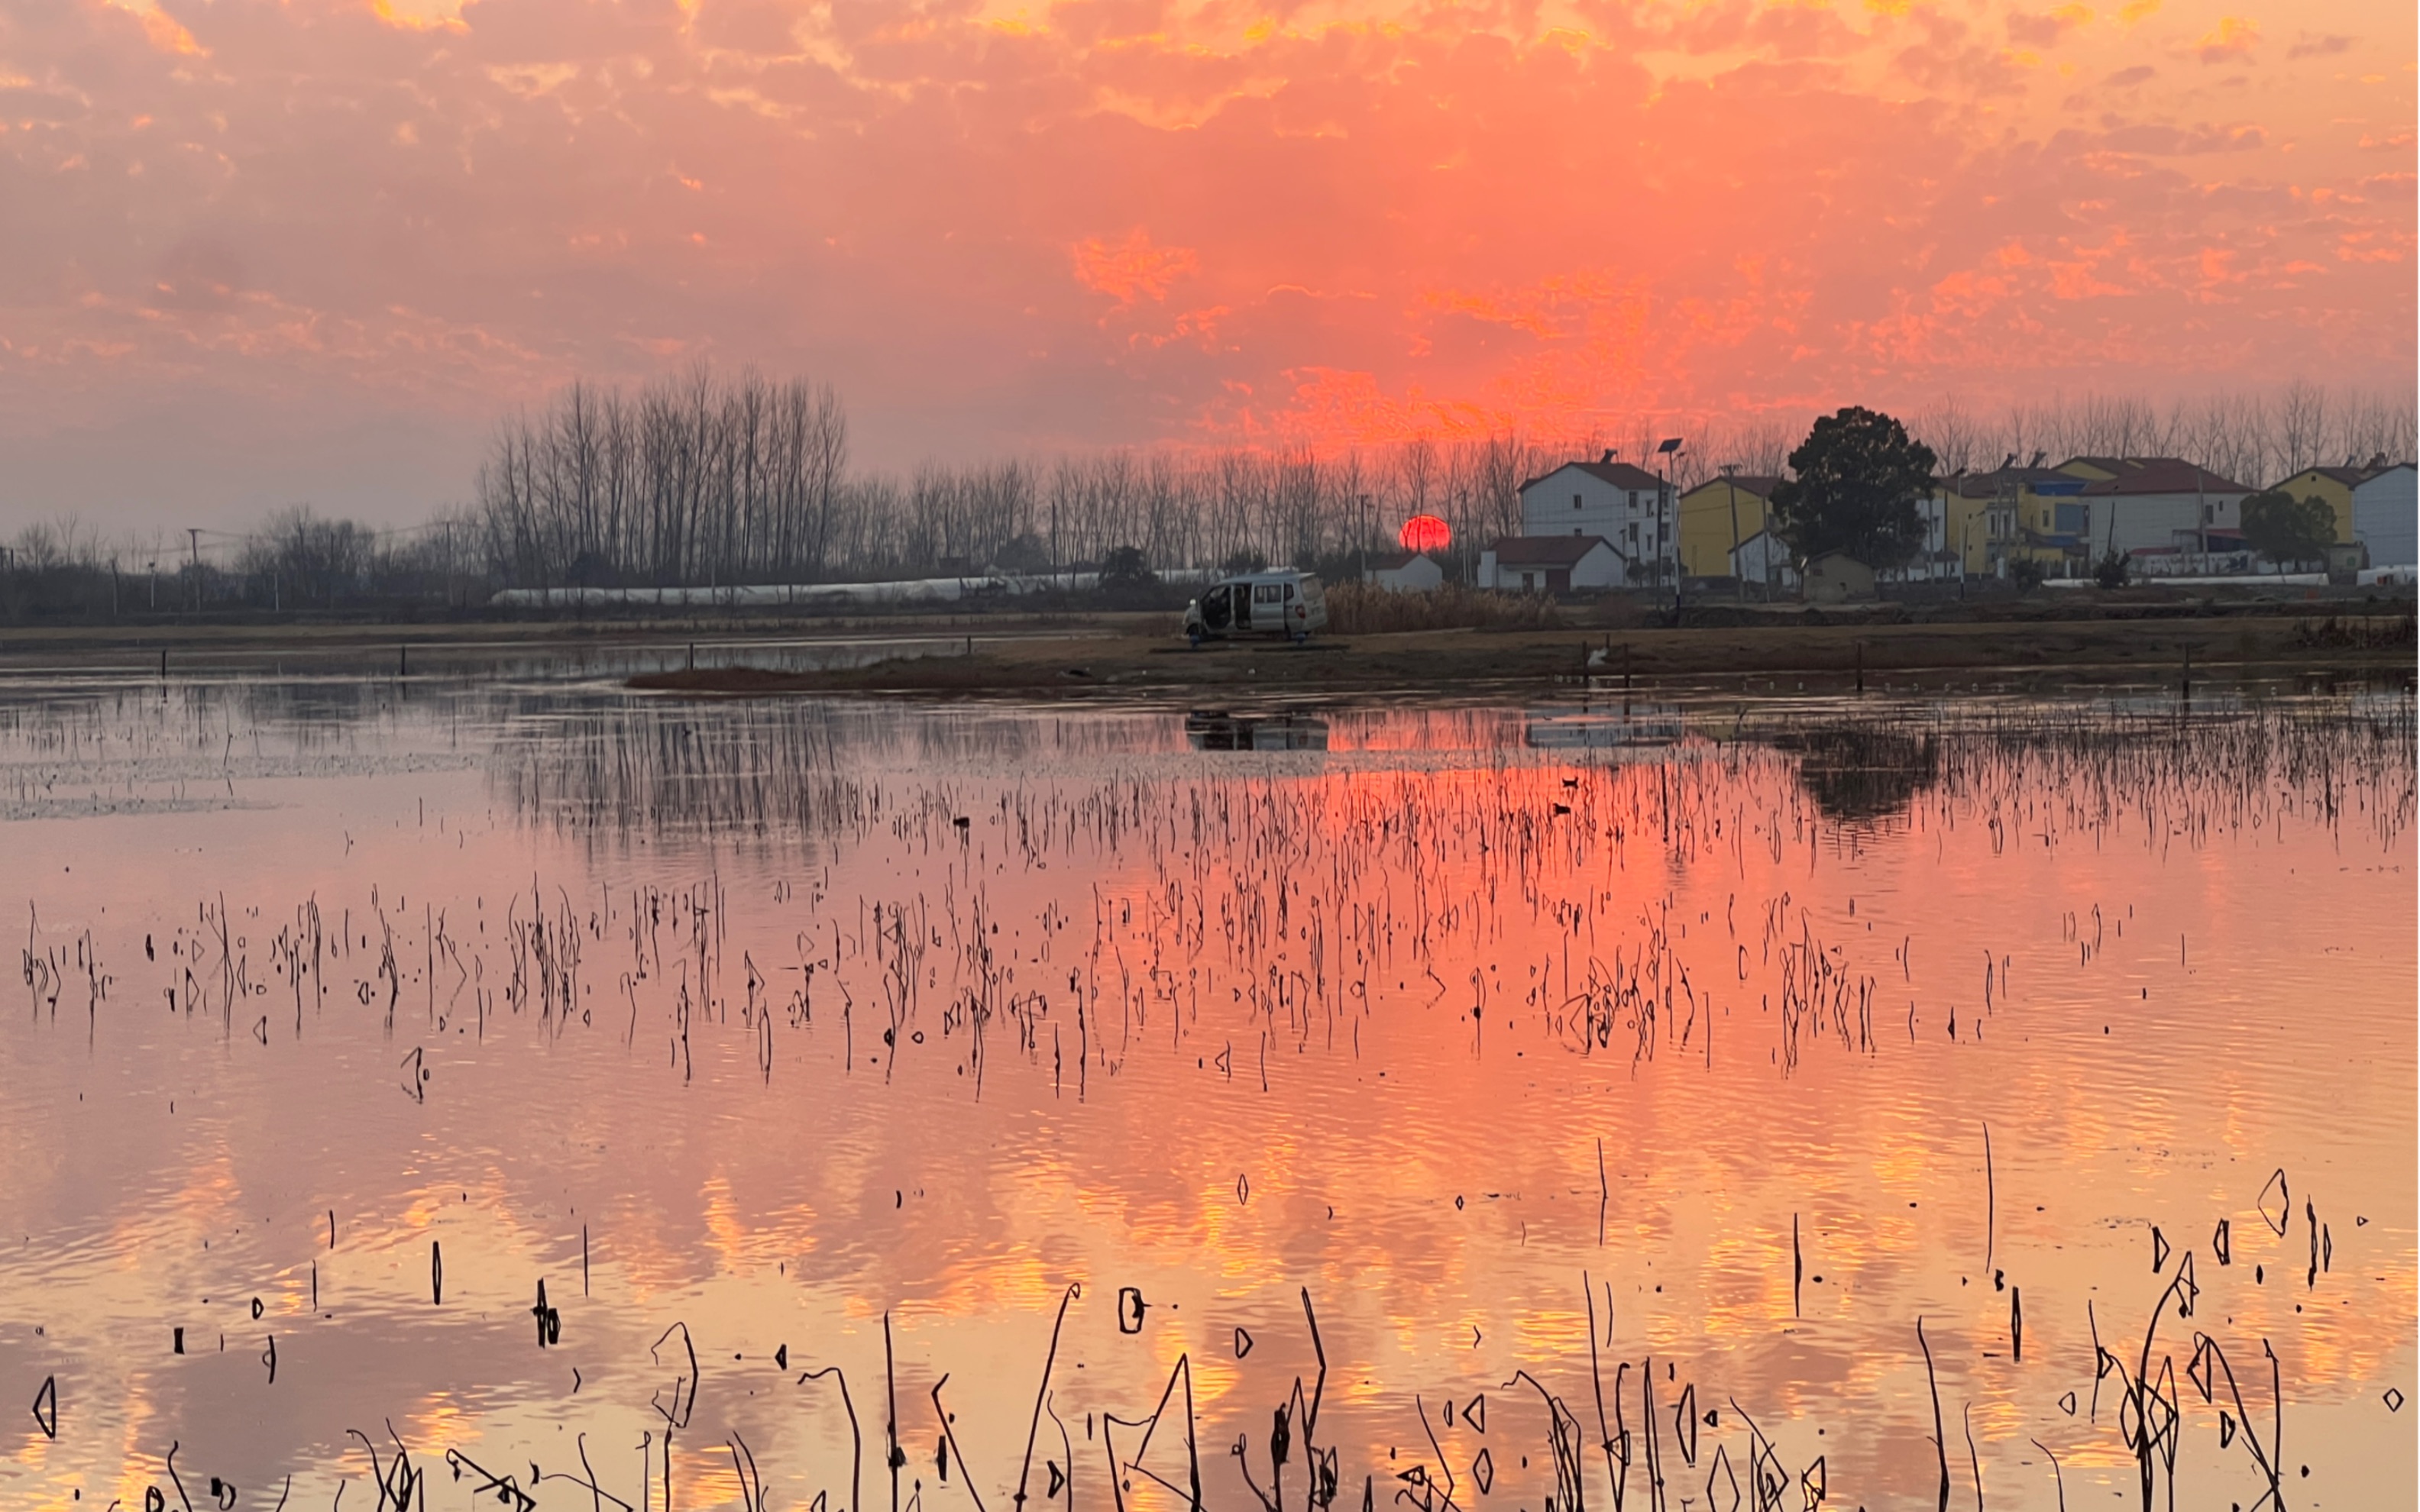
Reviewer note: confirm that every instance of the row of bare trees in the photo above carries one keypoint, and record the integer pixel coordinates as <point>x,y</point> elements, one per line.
<point>2251,438</point>
<point>699,479</point>
<point>1191,508</point>
<point>707,479</point>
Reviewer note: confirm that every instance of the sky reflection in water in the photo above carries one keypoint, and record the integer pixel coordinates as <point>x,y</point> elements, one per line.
<point>769,1019</point>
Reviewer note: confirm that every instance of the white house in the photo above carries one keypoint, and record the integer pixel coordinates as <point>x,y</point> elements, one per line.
<point>2150,504</point>
<point>1403,572</point>
<point>2385,518</point>
<point>1626,506</point>
<point>1550,564</point>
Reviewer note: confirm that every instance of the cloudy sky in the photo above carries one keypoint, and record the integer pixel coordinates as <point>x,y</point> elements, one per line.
<point>253,253</point>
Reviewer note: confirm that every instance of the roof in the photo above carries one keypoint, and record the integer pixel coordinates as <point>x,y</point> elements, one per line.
<point>2163,475</point>
<point>1999,480</point>
<point>1545,550</point>
<point>2350,477</point>
<point>1759,486</point>
<point>1620,474</point>
<point>1390,561</point>
<point>1841,557</point>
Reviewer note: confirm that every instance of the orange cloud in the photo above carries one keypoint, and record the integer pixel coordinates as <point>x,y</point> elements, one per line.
<point>1126,221</point>
<point>1132,267</point>
<point>2232,41</point>
<point>168,34</point>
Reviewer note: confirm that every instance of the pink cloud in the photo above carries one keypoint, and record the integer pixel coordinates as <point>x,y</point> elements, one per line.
<point>2046,28</point>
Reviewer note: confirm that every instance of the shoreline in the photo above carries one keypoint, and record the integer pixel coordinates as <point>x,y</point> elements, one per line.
<point>2031,643</point>
<point>1443,662</point>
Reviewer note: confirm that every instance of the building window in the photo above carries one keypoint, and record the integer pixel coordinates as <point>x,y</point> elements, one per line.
<point>1634,498</point>
<point>1575,529</point>
<point>1575,501</point>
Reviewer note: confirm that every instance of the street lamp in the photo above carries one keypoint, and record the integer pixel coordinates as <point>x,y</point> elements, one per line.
<point>1665,545</point>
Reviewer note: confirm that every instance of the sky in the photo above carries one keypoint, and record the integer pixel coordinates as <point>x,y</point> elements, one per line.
<point>262,252</point>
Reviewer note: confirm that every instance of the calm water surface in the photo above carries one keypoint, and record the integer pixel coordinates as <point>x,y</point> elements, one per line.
<point>1718,1103</point>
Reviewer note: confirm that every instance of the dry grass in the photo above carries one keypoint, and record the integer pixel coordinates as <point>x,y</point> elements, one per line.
<point>1365,609</point>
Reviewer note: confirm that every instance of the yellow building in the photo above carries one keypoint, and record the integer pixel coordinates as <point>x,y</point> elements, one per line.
<point>1718,516</point>
<point>1957,526</point>
<point>2016,513</point>
<point>2331,486</point>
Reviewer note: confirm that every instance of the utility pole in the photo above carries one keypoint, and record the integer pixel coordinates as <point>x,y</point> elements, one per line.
<point>193,544</point>
<point>1966,527</point>
<point>1731,484</point>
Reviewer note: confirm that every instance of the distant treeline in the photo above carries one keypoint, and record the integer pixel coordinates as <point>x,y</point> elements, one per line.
<point>712,480</point>
<point>708,480</point>
<point>724,479</point>
<point>296,560</point>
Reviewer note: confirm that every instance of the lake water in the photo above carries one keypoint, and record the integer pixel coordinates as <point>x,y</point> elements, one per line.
<point>1702,1104</point>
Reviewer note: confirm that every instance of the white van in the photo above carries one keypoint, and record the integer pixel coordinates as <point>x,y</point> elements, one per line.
<point>1278,602</point>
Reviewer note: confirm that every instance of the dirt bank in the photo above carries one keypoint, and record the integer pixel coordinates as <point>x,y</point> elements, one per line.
<point>1798,647</point>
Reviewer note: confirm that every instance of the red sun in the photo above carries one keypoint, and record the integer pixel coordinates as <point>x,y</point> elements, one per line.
<point>1426,533</point>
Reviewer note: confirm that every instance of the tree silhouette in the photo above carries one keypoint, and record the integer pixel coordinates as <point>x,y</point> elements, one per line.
<point>2284,529</point>
<point>1124,568</point>
<point>1859,476</point>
